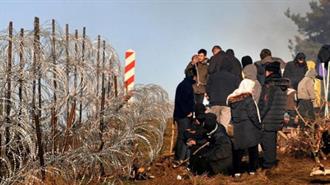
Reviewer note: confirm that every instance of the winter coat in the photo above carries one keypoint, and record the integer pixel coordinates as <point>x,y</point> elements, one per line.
<point>245,120</point>
<point>306,86</point>
<point>237,67</point>
<point>250,72</point>
<point>272,103</point>
<point>202,73</point>
<point>184,99</point>
<point>220,84</point>
<point>216,62</point>
<point>295,72</point>
<point>219,152</point>
<point>261,67</point>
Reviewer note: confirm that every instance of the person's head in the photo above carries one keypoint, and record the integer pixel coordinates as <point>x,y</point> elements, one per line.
<point>202,55</point>
<point>265,53</point>
<point>273,68</point>
<point>230,52</point>
<point>191,73</point>
<point>300,58</point>
<point>216,49</point>
<point>250,72</point>
<point>246,60</point>
<point>210,123</point>
<point>195,56</point>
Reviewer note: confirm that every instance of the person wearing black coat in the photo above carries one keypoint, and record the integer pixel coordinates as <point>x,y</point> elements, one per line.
<point>183,109</point>
<point>296,70</point>
<point>216,157</point>
<point>246,125</point>
<point>219,85</point>
<point>237,67</point>
<point>272,105</point>
<point>217,60</point>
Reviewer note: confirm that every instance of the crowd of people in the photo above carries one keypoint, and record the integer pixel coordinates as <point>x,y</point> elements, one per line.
<point>225,109</point>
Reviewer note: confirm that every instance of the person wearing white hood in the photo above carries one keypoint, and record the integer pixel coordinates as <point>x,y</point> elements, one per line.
<point>306,95</point>
<point>246,124</point>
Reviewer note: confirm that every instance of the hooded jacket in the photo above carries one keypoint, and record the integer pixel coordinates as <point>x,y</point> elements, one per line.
<point>220,84</point>
<point>245,116</point>
<point>306,86</point>
<point>184,99</point>
<point>250,72</point>
<point>273,101</point>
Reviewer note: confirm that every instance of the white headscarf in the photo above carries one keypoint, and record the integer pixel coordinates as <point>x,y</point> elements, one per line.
<point>246,86</point>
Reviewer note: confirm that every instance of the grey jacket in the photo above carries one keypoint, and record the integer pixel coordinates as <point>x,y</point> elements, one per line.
<point>306,86</point>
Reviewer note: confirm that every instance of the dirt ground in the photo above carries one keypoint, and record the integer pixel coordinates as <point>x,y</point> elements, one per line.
<point>290,170</point>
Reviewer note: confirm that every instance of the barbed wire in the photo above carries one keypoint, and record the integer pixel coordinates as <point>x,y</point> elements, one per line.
<point>80,140</point>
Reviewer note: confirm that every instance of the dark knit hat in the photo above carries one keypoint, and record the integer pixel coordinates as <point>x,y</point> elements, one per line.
<point>210,122</point>
<point>246,60</point>
<point>274,67</point>
<point>300,56</point>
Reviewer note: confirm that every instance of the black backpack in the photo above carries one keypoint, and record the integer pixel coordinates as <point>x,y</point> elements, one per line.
<point>324,55</point>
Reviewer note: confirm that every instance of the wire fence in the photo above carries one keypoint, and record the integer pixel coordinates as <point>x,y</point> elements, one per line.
<point>63,112</point>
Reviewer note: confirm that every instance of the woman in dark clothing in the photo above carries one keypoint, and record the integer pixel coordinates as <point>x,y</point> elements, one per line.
<point>247,126</point>
<point>296,70</point>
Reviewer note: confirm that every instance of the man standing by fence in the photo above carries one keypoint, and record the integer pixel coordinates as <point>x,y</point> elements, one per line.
<point>183,113</point>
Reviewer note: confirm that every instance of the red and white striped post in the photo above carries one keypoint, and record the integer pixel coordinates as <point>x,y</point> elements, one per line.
<point>129,70</point>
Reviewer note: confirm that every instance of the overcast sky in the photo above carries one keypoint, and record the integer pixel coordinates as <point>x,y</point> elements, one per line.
<point>166,33</point>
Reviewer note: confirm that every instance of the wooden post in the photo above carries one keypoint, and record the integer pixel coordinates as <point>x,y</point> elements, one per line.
<point>116,86</point>
<point>36,114</point>
<point>98,64</point>
<point>53,110</point>
<point>67,70</point>
<point>102,172</point>
<point>8,80</point>
<point>103,92</point>
<point>21,70</point>
<point>81,78</point>
<point>98,73</point>
<point>109,81</point>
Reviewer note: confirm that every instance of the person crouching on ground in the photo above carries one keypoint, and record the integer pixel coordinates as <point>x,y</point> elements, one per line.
<point>214,154</point>
<point>246,125</point>
<point>306,95</point>
<point>183,112</point>
<point>272,104</point>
